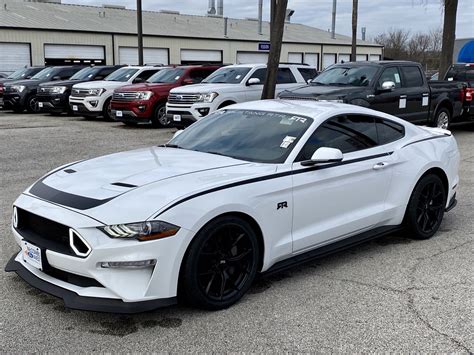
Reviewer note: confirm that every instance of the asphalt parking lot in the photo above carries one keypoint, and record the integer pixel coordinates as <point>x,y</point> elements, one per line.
<point>392,294</point>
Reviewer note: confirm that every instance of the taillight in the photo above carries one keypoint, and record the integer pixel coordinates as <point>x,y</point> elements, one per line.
<point>469,94</point>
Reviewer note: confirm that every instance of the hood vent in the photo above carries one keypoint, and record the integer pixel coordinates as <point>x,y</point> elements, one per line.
<point>122,184</point>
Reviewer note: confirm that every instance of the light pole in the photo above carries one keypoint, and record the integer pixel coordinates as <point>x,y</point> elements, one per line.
<point>140,32</point>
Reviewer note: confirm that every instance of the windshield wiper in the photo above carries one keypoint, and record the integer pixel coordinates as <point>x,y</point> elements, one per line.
<point>170,145</point>
<point>222,154</point>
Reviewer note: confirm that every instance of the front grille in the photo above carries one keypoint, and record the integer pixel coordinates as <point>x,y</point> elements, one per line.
<point>183,98</point>
<point>44,232</point>
<point>124,96</point>
<point>80,92</point>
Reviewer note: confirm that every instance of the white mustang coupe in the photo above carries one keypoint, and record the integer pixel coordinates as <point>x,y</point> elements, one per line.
<point>251,188</point>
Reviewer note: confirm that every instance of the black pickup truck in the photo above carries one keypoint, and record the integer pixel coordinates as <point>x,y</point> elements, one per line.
<point>53,96</point>
<point>464,72</point>
<point>396,87</point>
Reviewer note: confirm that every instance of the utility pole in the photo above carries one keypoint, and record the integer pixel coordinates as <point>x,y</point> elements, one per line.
<point>333,25</point>
<point>140,32</point>
<point>355,5</point>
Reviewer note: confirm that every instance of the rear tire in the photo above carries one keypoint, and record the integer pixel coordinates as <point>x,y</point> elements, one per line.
<point>426,207</point>
<point>159,117</point>
<point>221,263</point>
<point>442,118</point>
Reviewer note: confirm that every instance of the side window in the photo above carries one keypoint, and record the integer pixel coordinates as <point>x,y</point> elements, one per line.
<point>106,71</point>
<point>147,73</point>
<point>285,76</point>
<point>389,131</point>
<point>198,75</point>
<point>412,76</point>
<point>260,74</point>
<point>67,73</point>
<point>308,73</point>
<point>390,74</point>
<point>347,133</point>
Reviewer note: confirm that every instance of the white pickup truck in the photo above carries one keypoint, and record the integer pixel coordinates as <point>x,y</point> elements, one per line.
<point>229,85</point>
<point>93,98</point>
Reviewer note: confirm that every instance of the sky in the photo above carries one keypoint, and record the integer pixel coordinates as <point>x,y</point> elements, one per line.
<point>377,16</point>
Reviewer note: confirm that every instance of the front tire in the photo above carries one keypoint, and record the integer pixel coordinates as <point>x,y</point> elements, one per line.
<point>443,118</point>
<point>159,117</point>
<point>107,110</point>
<point>221,263</point>
<point>426,207</point>
<point>31,104</point>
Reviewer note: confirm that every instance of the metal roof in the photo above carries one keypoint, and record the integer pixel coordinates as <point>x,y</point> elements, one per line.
<point>65,17</point>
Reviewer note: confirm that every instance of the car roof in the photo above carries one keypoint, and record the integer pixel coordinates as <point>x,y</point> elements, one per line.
<point>319,111</point>
<point>264,65</point>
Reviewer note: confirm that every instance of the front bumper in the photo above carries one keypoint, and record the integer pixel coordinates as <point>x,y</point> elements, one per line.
<point>81,281</point>
<point>190,113</point>
<point>75,301</point>
<point>13,100</point>
<point>52,103</point>
<point>89,105</point>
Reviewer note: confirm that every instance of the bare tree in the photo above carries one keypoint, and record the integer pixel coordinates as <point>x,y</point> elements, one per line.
<point>395,43</point>
<point>277,26</point>
<point>449,35</point>
<point>355,5</point>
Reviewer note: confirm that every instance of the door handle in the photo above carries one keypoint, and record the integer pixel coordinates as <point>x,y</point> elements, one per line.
<point>380,166</point>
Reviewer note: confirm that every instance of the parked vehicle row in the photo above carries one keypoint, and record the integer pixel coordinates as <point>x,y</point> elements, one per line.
<point>166,96</point>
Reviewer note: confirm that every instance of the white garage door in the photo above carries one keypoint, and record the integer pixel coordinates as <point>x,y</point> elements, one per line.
<point>64,51</point>
<point>361,57</point>
<point>312,59</point>
<point>129,55</point>
<point>328,59</point>
<point>295,58</point>
<point>374,57</point>
<point>251,57</point>
<point>189,56</point>
<point>344,57</point>
<point>14,56</point>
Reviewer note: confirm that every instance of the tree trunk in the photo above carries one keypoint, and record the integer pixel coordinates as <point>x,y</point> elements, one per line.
<point>355,4</point>
<point>277,26</point>
<point>449,35</point>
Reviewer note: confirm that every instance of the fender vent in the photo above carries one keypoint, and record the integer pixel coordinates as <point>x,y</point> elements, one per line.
<point>122,184</point>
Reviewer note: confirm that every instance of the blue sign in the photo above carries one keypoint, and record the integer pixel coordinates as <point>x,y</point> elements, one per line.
<point>264,46</point>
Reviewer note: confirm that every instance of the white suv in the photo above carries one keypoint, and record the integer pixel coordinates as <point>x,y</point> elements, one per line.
<point>93,98</point>
<point>229,85</point>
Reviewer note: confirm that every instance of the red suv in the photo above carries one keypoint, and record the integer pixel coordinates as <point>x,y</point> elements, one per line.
<point>145,102</point>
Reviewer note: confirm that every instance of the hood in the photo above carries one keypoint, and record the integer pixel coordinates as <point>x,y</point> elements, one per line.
<point>205,88</point>
<point>320,90</point>
<point>148,87</point>
<point>68,83</point>
<point>101,84</point>
<point>26,82</point>
<point>136,184</point>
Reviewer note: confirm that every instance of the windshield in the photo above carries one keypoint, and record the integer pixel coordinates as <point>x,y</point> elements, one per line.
<point>19,74</point>
<point>166,76</point>
<point>227,75</point>
<point>123,74</point>
<point>85,74</point>
<point>45,73</point>
<point>353,76</point>
<point>258,136</point>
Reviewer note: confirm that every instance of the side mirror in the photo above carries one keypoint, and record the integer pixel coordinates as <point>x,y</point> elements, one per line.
<point>387,86</point>
<point>138,80</point>
<point>188,81</point>
<point>177,133</point>
<point>55,78</point>
<point>253,81</point>
<point>324,155</point>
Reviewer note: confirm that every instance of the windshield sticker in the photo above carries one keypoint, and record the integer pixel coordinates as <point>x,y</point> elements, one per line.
<point>397,78</point>
<point>287,141</point>
<point>238,77</point>
<point>290,120</point>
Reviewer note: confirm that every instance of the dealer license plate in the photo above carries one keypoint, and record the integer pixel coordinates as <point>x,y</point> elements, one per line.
<point>177,118</point>
<point>40,104</point>
<point>32,254</point>
<point>75,108</point>
<point>118,113</point>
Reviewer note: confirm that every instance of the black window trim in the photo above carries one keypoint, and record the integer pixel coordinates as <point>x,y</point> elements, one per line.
<point>295,160</point>
<point>404,81</point>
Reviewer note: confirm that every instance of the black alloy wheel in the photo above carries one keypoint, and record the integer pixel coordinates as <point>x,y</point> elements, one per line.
<point>31,102</point>
<point>426,207</point>
<point>221,263</point>
<point>159,116</point>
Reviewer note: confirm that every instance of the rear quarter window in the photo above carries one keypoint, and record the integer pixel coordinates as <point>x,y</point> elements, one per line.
<point>308,73</point>
<point>388,131</point>
<point>412,76</point>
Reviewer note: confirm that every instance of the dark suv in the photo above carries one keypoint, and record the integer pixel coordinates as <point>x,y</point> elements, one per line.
<point>23,73</point>
<point>54,96</point>
<point>21,94</point>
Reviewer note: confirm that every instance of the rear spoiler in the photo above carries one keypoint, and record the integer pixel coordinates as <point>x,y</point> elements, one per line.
<point>437,131</point>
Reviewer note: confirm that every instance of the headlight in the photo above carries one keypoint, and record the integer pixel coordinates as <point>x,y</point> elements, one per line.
<point>58,89</point>
<point>144,95</point>
<point>209,97</point>
<point>142,231</point>
<point>18,88</point>
<point>96,92</point>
